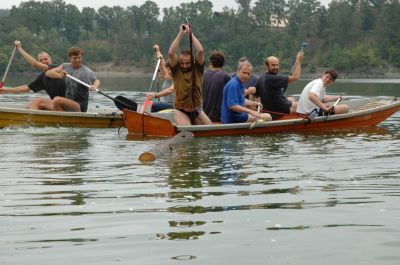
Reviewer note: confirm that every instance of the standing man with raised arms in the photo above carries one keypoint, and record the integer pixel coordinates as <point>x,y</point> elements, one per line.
<point>187,75</point>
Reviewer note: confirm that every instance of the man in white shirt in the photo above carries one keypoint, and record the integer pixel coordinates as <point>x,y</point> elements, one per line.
<point>313,98</point>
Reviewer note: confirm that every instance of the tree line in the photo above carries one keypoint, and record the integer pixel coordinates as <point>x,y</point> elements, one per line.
<point>350,35</point>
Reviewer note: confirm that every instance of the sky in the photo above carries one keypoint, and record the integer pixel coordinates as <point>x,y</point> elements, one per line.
<point>217,4</point>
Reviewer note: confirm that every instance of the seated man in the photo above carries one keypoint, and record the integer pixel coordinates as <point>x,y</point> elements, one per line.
<point>53,87</point>
<point>77,95</point>
<point>271,85</point>
<point>167,91</point>
<point>234,104</point>
<point>313,97</point>
<point>214,81</point>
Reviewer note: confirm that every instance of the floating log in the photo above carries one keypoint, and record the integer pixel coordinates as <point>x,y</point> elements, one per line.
<point>168,147</point>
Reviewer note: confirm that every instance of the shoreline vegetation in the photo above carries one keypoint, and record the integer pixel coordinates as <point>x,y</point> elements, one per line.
<point>357,38</point>
<point>108,70</point>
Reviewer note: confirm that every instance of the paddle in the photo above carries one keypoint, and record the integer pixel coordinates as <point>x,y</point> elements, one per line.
<point>192,59</point>
<point>333,107</point>
<point>8,67</point>
<point>302,47</point>
<point>258,121</point>
<point>120,101</point>
<point>337,101</point>
<point>148,103</point>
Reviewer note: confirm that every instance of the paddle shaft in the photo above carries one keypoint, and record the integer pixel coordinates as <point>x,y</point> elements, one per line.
<point>303,45</point>
<point>256,121</point>
<point>89,86</point>
<point>337,101</point>
<point>155,73</point>
<point>8,67</point>
<point>192,118</point>
<point>98,91</point>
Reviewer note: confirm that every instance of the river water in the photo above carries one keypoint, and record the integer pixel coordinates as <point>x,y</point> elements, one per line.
<point>81,196</point>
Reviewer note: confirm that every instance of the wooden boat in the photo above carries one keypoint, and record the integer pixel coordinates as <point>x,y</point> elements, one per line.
<point>18,115</point>
<point>363,113</point>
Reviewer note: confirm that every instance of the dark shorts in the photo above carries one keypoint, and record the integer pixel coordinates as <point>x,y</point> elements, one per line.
<point>284,107</point>
<point>191,114</point>
<point>324,113</point>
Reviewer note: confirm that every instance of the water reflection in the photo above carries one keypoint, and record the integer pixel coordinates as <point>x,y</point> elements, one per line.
<point>190,235</point>
<point>304,227</point>
<point>184,168</point>
<point>67,148</point>
<point>84,192</point>
<point>67,151</point>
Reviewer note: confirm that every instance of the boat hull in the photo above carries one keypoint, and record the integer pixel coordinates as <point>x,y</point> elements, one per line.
<point>367,114</point>
<point>10,116</point>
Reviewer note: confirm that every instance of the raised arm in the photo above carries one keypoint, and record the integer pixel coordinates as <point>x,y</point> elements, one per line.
<point>297,67</point>
<point>32,61</point>
<point>163,68</point>
<point>199,50</point>
<point>172,57</point>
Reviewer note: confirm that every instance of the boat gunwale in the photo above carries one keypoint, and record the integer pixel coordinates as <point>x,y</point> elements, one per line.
<point>294,121</point>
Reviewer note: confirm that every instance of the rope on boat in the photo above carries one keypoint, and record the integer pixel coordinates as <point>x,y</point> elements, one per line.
<point>306,118</point>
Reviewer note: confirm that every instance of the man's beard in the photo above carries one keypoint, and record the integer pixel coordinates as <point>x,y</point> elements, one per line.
<point>186,70</point>
<point>273,71</point>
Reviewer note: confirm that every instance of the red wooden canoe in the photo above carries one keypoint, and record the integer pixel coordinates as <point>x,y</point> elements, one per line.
<point>363,113</point>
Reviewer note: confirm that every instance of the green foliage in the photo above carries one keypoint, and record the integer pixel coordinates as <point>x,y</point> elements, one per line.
<point>361,57</point>
<point>99,52</point>
<point>259,28</point>
<point>4,13</point>
<point>394,56</point>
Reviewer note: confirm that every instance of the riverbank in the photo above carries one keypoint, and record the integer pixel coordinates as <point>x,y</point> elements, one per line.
<point>109,70</point>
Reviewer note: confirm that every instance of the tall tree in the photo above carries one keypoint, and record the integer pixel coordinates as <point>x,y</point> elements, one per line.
<point>88,18</point>
<point>269,13</point>
<point>72,22</point>
<point>104,18</point>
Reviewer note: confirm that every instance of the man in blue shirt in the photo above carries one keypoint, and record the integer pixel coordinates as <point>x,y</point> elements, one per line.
<point>234,108</point>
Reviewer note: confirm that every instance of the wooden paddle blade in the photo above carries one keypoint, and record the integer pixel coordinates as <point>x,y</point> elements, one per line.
<point>257,123</point>
<point>124,103</point>
<point>1,84</point>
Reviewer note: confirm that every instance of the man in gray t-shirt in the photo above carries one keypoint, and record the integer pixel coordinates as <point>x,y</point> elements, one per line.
<point>77,95</point>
